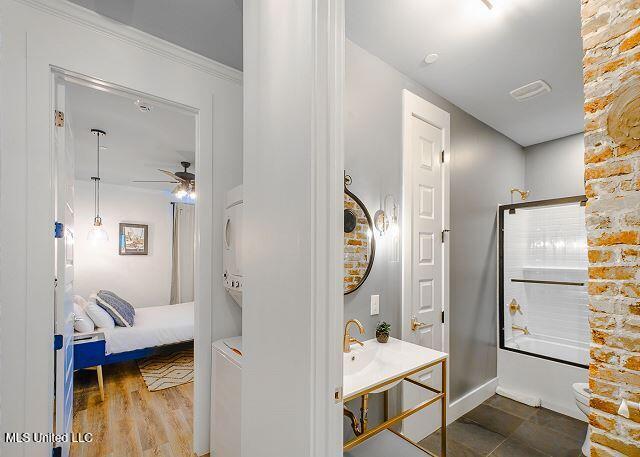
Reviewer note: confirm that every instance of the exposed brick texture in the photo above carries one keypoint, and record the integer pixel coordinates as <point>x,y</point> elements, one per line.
<point>611,38</point>
<point>357,248</point>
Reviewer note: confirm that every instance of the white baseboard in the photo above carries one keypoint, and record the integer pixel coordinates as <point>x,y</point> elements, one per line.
<point>473,399</point>
<point>562,409</point>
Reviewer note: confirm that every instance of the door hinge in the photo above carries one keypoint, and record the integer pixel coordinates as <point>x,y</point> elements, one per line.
<point>58,230</point>
<point>56,451</point>
<point>337,395</point>
<point>442,235</point>
<point>58,119</point>
<point>443,316</point>
<point>57,342</point>
<point>442,156</point>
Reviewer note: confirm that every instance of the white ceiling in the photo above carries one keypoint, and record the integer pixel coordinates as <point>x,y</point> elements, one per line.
<point>212,28</point>
<point>483,56</point>
<point>137,143</point>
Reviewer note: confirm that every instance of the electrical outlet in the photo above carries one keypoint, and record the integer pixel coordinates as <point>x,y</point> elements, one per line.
<point>375,305</point>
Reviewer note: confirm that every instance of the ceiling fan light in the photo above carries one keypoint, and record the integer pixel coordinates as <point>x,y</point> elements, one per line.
<point>192,195</point>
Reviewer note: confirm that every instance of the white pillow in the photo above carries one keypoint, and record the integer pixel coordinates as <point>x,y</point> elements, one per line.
<point>99,316</point>
<point>79,299</point>
<point>83,322</point>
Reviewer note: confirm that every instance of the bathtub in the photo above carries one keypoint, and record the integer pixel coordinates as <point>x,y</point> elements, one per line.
<point>548,346</point>
<point>543,378</point>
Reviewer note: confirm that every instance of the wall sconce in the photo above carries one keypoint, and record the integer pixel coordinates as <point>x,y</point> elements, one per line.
<point>386,218</point>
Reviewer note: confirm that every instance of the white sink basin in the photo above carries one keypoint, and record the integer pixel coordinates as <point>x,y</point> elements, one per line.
<point>375,364</point>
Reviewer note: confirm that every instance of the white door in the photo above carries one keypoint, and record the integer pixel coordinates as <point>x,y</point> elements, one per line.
<point>63,296</point>
<point>424,265</point>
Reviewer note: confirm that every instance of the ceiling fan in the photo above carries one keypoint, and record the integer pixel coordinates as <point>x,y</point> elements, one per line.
<point>185,180</point>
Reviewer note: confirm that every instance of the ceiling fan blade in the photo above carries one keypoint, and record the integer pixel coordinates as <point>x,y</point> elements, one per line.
<point>172,182</point>
<point>172,175</point>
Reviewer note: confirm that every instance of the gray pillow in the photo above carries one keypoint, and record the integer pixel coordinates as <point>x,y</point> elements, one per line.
<point>122,312</point>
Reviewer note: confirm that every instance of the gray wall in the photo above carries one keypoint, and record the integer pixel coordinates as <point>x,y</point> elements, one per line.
<point>556,168</point>
<point>485,165</point>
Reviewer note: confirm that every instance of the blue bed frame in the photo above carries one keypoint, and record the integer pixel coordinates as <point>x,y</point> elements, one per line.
<point>92,354</point>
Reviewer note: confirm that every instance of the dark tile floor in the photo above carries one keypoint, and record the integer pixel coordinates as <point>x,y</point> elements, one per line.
<point>504,428</point>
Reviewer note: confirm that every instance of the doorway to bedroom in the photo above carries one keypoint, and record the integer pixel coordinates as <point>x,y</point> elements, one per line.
<point>130,223</point>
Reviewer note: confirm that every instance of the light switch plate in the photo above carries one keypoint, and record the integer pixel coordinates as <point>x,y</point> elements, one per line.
<point>375,305</point>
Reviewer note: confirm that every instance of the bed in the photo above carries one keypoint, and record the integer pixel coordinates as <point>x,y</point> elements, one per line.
<point>154,327</point>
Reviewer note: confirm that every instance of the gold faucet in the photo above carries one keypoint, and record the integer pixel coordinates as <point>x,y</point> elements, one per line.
<point>514,307</point>
<point>348,339</point>
<point>524,329</point>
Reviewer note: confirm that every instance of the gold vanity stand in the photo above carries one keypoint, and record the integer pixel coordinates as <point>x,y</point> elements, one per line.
<point>366,433</point>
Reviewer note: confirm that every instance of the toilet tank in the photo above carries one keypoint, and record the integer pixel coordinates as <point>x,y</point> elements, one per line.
<point>232,244</point>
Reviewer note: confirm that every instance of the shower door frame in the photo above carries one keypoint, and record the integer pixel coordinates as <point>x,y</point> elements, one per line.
<point>582,199</point>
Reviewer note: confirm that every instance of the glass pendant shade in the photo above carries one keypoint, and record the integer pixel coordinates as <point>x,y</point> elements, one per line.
<point>183,190</point>
<point>97,231</point>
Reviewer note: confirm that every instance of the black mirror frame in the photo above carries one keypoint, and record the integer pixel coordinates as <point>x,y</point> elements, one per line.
<point>373,241</point>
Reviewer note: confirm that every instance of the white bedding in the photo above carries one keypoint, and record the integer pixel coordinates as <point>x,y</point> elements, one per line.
<point>153,326</point>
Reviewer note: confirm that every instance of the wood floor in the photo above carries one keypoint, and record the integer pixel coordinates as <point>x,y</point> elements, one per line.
<point>131,421</point>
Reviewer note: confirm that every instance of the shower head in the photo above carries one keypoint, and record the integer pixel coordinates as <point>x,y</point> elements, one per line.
<point>523,193</point>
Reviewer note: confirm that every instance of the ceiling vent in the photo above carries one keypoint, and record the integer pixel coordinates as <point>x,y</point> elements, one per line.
<point>531,90</point>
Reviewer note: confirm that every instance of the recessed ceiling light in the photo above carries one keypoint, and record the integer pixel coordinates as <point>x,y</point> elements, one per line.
<point>143,106</point>
<point>487,3</point>
<point>431,58</point>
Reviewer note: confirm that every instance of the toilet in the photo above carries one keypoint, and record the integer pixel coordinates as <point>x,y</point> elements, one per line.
<point>582,394</point>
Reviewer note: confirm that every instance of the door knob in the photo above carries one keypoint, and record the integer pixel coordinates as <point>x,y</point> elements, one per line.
<point>416,324</point>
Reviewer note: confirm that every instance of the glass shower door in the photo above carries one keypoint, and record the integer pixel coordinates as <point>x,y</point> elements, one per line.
<point>543,280</point>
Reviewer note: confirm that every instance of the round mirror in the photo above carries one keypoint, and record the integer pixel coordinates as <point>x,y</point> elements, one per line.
<point>359,242</point>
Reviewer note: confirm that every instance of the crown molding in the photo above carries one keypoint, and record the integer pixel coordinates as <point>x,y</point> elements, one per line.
<point>93,21</point>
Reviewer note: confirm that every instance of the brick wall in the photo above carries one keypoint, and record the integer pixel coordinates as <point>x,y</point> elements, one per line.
<point>356,247</point>
<point>611,36</point>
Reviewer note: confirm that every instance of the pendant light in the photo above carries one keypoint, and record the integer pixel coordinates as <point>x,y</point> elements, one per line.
<point>97,231</point>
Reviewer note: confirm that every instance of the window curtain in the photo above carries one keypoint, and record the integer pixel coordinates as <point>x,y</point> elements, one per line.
<point>183,253</point>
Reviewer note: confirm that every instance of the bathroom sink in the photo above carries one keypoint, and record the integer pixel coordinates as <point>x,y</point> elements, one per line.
<point>365,360</point>
<point>383,364</point>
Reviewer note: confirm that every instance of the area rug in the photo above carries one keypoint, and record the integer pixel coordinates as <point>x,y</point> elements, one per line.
<point>162,371</point>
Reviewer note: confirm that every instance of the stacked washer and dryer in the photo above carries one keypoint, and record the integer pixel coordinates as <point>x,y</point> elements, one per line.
<point>227,353</point>
<point>232,261</point>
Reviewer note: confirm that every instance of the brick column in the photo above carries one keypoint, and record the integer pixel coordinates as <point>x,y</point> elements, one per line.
<point>611,37</point>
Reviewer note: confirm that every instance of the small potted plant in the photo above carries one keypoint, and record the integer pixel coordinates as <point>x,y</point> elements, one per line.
<point>382,332</point>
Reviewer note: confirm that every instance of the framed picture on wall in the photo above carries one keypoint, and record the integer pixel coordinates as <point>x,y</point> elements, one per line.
<point>134,239</point>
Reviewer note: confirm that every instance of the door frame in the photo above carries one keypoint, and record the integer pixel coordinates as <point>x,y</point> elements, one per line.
<point>415,106</point>
<point>86,43</point>
<point>305,109</point>
<point>203,227</point>
<point>70,78</point>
